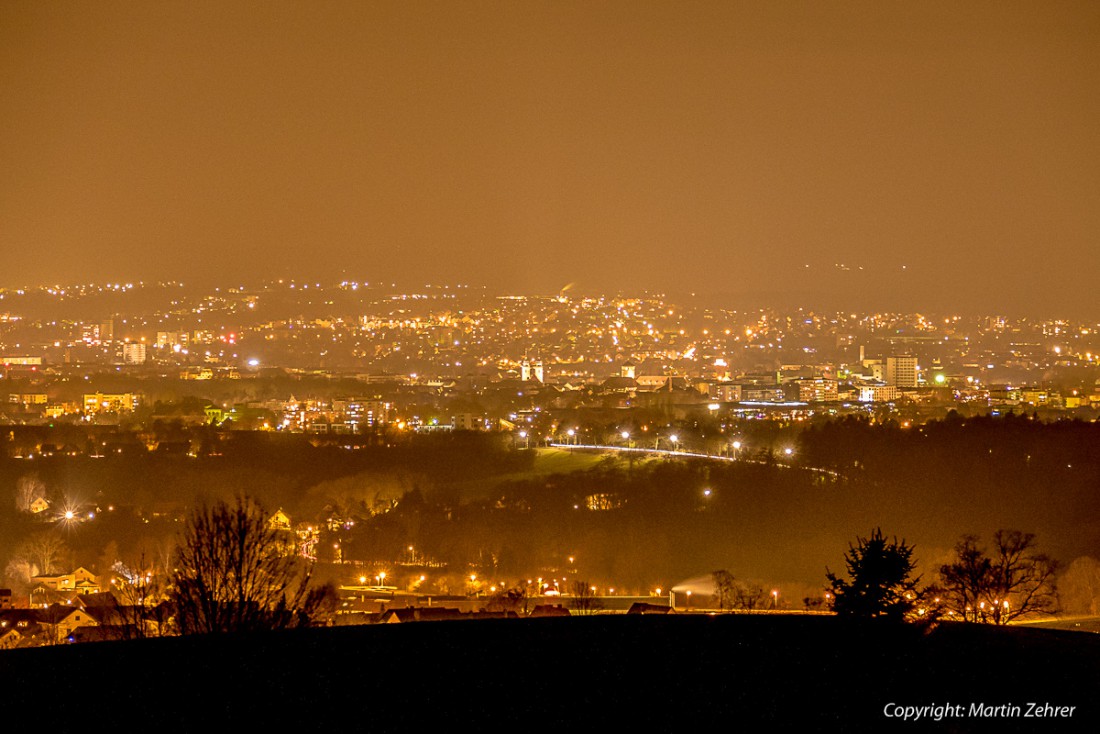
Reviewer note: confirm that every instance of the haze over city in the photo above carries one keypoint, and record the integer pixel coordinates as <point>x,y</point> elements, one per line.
<point>937,155</point>
<point>721,362</point>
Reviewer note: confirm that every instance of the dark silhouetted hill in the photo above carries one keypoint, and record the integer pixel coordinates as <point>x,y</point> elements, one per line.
<point>615,673</point>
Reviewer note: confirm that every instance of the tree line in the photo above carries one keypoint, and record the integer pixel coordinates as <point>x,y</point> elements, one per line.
<point>995,583</point>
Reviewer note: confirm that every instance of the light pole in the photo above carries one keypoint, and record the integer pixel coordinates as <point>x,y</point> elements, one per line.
<point>736,450</point>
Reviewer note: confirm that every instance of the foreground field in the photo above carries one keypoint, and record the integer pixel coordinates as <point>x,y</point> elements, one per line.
<point>686,670</point>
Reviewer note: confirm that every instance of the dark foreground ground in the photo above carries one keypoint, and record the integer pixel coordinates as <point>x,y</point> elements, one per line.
<point>608,673</point>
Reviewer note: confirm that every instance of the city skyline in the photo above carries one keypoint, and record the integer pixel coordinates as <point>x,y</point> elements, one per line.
<point>721,360</point>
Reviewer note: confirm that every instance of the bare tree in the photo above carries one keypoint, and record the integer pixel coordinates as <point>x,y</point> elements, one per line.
<point>1079,587</point>
<point>44,553</point>
<point>584,599</point>
<point>725,589</point>
<point>512,599</point>
<point>140,592</point>
<point>748,596</point>
<point>1010,581</point>
<point>234,574</point>
<point>27,490</point>
<point>18,574</point>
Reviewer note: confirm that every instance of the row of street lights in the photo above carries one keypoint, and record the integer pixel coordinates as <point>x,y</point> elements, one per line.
<point>572,437</point>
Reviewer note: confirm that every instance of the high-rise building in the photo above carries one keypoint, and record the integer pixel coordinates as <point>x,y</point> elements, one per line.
<point>133,353</point>
<point>901,371</point>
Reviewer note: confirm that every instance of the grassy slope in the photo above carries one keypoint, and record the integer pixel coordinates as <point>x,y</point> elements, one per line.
<point>547,462</point>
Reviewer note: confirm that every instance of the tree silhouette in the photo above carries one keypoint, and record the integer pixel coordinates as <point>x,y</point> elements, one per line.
<point>43,553</point>
<point>235,573</point>
<point>725,589</point>
<point>27,490</point>
<point>1010,581</point>
<point>512,599</point>
<point>139,592</point>
<point>584,599</point>
<point>749,596</point>
<point>880,583</point>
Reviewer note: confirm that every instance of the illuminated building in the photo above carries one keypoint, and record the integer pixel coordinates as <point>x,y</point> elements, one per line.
<point>901,371</point>
<point>133,353</point>
<point>109,403</point>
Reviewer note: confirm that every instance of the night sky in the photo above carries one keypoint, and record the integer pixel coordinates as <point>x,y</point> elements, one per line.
<point>950,149</point>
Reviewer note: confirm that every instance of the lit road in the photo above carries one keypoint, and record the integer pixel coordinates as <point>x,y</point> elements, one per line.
<point>673,453</point>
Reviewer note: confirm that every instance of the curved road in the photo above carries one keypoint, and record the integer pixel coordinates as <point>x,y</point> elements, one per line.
<point>686,455</point>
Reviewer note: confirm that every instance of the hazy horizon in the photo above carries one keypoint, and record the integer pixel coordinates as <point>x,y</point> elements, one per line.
<point>950,151</point>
